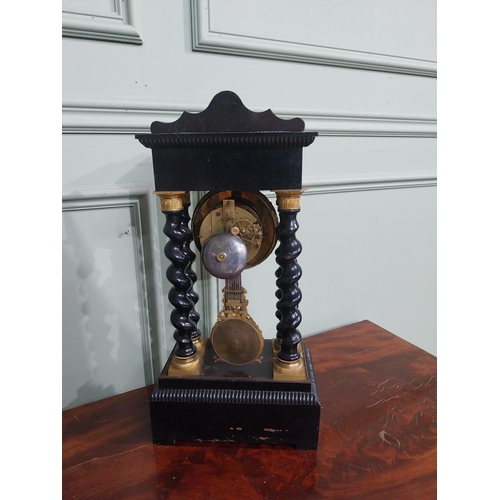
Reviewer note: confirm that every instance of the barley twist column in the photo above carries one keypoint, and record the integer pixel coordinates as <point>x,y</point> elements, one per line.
<point>185,357</point>
<point>288,359</point>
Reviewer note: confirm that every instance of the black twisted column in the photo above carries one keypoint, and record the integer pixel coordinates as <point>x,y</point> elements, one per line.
<point>288,360</point>
<point>191,294</point>
<point>185,358</point>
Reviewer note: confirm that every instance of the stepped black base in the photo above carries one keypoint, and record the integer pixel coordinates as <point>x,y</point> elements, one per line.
<point>231,403</point>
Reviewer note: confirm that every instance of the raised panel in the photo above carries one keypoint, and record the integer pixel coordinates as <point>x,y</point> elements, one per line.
<point>391,35</point>
<point>106,332</point>
<point>333,162</point>
<point>106,20</point>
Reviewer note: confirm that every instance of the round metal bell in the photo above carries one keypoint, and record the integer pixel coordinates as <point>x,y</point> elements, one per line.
<point>224,255</point>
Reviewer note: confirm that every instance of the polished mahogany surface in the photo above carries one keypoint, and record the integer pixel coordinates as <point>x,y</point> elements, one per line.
<point>377,436</point>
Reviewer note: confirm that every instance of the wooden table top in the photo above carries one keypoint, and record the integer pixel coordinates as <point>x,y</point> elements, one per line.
<point>377,436</point>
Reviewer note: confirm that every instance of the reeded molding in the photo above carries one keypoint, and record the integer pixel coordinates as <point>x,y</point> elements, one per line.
<point>117,25</point>
<point>242,396</point>
<point>106,117</point>
<point>227,140</point>
<point>205,39</point>
<point>234,396</point>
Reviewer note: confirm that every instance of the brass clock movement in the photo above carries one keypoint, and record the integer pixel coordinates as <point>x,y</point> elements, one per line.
<point>232,383</point>
<point>235,231</point>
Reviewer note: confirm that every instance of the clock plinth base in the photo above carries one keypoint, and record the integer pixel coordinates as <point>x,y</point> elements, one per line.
<point>230,403</point>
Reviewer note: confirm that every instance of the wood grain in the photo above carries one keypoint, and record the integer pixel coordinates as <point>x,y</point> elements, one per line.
<point>377,436</point>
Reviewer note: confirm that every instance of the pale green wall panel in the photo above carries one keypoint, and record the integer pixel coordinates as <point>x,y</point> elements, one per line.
<point>368,222</point>
<point>105,337</point>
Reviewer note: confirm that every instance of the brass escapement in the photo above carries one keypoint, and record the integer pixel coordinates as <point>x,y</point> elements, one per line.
<point>171,201</point>
<point>246,214</point>
<point>237,220</point>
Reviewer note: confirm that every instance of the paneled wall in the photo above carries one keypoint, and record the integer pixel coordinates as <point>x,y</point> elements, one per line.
<point>361,73</point>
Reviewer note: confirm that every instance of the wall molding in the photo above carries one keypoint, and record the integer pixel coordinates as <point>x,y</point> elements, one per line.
<point>205,39</point>
<point>141,197</point>
<point>117,25</point>
<point>366,183</point>
<point>77,205</point>
<point>79,117</point>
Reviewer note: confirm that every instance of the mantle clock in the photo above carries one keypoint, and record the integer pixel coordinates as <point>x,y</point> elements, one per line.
<point>231,383</point>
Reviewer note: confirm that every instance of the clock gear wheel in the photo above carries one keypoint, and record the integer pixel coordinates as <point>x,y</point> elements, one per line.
<point>253,220</point>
